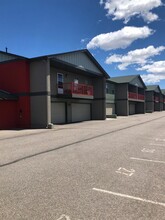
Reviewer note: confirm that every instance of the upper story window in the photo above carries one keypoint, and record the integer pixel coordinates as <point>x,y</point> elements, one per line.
<point>75,81</point>
<point>110,88</point>
<point>60,82</point>
<point>86,82</point>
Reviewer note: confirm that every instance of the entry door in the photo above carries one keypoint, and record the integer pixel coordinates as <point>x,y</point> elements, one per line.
<point>110,109</point>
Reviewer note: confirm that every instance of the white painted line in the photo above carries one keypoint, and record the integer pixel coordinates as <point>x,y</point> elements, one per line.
<point>126,172</point>
<point>153,144</point>
<point>159,139</point>
<point>146,150</point>
<point>64,217</point>
<point>154,161</point>
<point>129,197</point>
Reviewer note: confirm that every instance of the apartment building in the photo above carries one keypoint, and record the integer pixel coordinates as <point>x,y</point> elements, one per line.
<point>59,88</point>
<point>125,95</point>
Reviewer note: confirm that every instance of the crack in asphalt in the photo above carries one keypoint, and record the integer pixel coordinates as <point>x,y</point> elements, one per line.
<point>76,142</point>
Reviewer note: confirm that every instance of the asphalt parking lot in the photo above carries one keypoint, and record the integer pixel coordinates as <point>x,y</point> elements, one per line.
<point>95,170</point>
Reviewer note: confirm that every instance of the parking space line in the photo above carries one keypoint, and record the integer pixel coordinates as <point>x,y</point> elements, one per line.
<point>146,150</point>
<point>64,217</point>
<point>126,172</point>
<point>153,144</point>
<point>147,160</point>
<point>159,139</point>
<point>129,197</point>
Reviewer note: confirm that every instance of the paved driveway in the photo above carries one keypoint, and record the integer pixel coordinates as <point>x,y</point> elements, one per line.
<point>94,170</point>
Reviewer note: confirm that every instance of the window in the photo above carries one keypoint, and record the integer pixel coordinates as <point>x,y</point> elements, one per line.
<point>75,81</point>
<point>110,88</point>
<point>86,82</point>
<point>60,81</point>
<point>106,89</point>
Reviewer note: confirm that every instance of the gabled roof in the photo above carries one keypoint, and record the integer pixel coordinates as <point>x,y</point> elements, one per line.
<point>12,54</point>
<point>163,91</point>
<point>154,88</point>
<point>65,59</point>
<point>7,96</point>
<point>5,56</point>
<point>122,79</point>
<point>126,79</point>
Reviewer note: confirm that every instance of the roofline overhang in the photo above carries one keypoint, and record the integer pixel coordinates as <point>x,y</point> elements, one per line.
<point>11,54</point>
<point>6,96</point>
<point>160,91</point>
<point>144,86</point>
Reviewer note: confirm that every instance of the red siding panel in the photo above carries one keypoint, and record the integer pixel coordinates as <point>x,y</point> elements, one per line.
<point>15,78</point>
<point>8,111</point>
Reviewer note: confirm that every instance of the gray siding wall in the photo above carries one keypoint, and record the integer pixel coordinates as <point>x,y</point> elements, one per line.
<point>122,108</point>
<point>149,101</point>
<point>40,89</point>
<point>121,91</point>
<point>99,102</point>
<point>161,102</point>
<point>149,96</point>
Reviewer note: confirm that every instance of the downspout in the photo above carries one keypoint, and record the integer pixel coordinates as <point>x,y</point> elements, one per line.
<point>48,89</point>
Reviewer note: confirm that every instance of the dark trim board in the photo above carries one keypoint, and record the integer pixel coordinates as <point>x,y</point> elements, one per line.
<point>42,93</point>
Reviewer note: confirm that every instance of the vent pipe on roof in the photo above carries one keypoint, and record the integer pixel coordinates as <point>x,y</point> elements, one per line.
<point>6,49</point>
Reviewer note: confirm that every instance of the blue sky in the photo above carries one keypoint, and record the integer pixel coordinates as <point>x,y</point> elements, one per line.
<point>125,36</point>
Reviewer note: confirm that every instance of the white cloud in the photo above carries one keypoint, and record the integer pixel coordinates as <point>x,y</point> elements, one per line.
<point>157,67</point>
<point>101,2</point>
<point>125,9</point>
<point>119,39</point>
<point>156,72</point>
<point>84,40</point>
<point>138,56</point>
<point>152,78</point>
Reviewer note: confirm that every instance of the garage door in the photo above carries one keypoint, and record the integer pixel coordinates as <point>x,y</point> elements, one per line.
<point>132,108</point>
<point>110,109</point>
<point>58,113</point>
<point>81,112</point>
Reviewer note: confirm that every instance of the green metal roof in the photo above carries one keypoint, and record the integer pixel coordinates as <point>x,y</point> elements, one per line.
<point>7,96</point>
<point>126,79</point>
<point>122,79</point>
<point>153,88</point>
